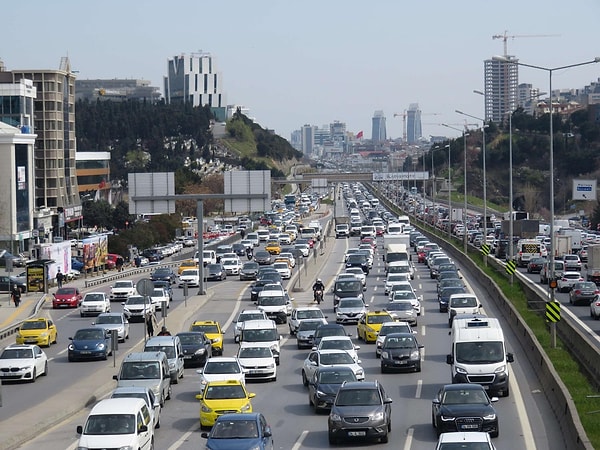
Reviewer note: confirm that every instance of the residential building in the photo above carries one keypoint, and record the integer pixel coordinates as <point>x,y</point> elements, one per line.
<point>378,133</point>
<point>500,88</point>
<point>93,174</point>
<point>194,79</point>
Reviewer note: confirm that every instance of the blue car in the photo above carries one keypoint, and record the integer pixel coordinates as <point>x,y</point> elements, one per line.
<point>240,432</point>
<point>76,264</point>
<point>89,343</point>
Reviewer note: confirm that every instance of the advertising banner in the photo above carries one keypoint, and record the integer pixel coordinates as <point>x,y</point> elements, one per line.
<point>95,249</point>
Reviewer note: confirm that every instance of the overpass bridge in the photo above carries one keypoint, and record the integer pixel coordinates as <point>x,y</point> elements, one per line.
<point>340,177</point>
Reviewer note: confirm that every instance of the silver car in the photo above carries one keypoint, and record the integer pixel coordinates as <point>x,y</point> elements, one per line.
<point>350,310</point>
<point>114,321</point>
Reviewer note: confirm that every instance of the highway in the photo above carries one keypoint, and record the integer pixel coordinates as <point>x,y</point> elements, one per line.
<point>525,418</point>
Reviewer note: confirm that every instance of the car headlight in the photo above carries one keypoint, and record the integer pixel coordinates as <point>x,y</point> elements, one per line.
<point>359,372</point>
<point>414,355</point>
<point>71,347</point>
<point>334,417</point>
<point>447,418</point>
<point>171,366</point>
<point>378,416</point>
<point>385,355</point>
<point>246,407</point>
<point>321,393</point>
<point>460,370</point>
<point>490,416</point>
<point>44,334</point>
<point>500,369</point>
<point>200,351</point>
<point>204,408</point>
<point>100,346</point>
<point>216,340</point>
<point>271,366</point>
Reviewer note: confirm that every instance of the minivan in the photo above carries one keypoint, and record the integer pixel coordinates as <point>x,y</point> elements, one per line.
<point>118,423</point>
<point>171,345</point>
<point>149,369</point>
<point>262,332</point>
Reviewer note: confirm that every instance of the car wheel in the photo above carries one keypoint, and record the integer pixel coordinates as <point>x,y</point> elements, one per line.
<point>385,439</point>
<point>45,369</point>
<point>418,367</point>
<point>496,433</point>
<point>433,420</point>
<point>169,393</point>
<point>34,375</point>
<point>304,379</point>
<point>383,369</point>
<point>332,440</point>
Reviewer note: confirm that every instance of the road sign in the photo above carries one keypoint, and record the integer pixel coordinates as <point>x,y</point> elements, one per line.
<point>485,249</point>
<point>145,287</point>
<point>511,267</point>
<point>553,311</point>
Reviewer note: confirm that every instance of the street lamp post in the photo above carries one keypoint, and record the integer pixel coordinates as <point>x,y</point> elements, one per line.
<point>550,70</point>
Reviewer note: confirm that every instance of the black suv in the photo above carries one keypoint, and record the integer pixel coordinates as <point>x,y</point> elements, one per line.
<point>361,410</point>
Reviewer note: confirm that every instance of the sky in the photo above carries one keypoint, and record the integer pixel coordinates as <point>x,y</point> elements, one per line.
<point>314,62</point>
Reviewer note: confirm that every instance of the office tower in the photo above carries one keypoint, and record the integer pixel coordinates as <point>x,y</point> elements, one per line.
<point>413,124</point>
<point>308,139</point>
<point>500,88</point>
<point>194,79</point>
<point>378,133</point>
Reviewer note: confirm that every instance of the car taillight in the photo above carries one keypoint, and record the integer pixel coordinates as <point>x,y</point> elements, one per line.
<point>577,292</point>
<point>596,292</point>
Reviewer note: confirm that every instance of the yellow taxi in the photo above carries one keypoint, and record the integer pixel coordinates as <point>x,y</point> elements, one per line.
<point>370,323</point>
<point>220,397</point>
<point>38,331</point>
<point>187,264</point>
<point>213,331</point>
<point>273,247</point>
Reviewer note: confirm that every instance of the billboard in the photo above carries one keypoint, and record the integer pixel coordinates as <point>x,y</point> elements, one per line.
<point>400,176</point>
<point>158,185</point>
<point>60,254</point>
<point>584,190</point>
<point>95,249</point>
<point>243,183</point>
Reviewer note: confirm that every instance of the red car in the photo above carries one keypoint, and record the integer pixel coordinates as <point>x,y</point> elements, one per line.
<point>66,297</point>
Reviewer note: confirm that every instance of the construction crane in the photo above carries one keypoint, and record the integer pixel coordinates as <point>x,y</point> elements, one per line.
<point>404,115</point>
<point>505,38</point>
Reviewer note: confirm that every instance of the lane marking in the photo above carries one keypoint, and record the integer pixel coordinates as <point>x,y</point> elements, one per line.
<point>419,388</point>
<point>409,438</point>
<point>298,444</point>
<point>521,413</point>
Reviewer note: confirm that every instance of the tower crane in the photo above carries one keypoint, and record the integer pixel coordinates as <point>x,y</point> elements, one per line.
<point>404,115</point>
<point>505,38</point>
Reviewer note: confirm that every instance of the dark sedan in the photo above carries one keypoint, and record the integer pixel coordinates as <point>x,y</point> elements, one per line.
<point>400,351</point>
<point>258,287</point>
<point>262,257</point>
<point>239,249</point>
<point>464,407</point>
<point>444,296</point>
<point>215,272</point>
<point>164,274</point>
<point>90,343</point>
<point>325,383</point>
<point>583,292</point>
<point>249,271</point>
<point>197,348</point>
<point>535,265</point>
<point>358,260</point>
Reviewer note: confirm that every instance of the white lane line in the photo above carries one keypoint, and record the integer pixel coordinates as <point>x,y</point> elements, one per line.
<point>183,439</point>
<point>372,299</point>
<point>298,444</point>
<point>409,438</point>
<point>419,387</point>
<point>522,413</point>
<point>423,330</point>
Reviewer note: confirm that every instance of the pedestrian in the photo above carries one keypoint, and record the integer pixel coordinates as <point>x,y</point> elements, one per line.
<point>137,261</point>
<point>242,233</point>
<point>164,332</point>
<point>150,324</point>
<point>59,279</point>
<point>119,264</point>
<point>16,295</point>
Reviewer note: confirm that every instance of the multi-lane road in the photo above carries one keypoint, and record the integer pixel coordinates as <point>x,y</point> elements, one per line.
<point>525,418</point>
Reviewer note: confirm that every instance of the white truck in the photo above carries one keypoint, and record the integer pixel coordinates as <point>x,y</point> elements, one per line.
<point>396,239</point>
<point>122,290</point>
<point>576,238</point>
<point>562,245</point>
<point>593,263</point>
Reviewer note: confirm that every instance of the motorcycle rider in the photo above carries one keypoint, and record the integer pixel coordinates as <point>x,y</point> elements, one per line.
<point>318,286</point>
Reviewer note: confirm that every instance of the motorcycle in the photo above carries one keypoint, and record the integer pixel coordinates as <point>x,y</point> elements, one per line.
<point>318,296</point>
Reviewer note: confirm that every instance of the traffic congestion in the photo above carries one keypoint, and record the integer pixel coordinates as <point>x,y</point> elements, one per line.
<point>394,347</point>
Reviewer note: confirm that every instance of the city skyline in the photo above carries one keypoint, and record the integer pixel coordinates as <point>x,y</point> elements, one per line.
<point>348,62</point>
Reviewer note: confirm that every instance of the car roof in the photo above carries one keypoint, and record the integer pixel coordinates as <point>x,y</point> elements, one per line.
<point>118,406</point>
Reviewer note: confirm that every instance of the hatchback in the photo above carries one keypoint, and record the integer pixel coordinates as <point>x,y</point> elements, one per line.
<point>400,351</point>
<point>240,430</point>
<point>583,292</point>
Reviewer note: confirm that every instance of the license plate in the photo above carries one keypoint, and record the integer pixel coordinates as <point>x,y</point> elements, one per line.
<point>187,357</point>
<point>401,362</point>
<point>469,427</point>
<point>85,352</point>
<point>357,433</point>
<point>254,371</point>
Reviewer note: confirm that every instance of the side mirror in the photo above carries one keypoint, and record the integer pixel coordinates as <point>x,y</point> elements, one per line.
<point>198,396</point>
<point>510,357</point>
<point>449,359</point>
<point>79,429</point>
<point>115,377</point>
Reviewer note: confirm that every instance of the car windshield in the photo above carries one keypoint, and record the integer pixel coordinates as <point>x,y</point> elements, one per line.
<point>265,335</point>
<point>234,429</point>
<point>17,353</point>
<point>101,320</point>
<point>464,446</point>
<point>136,300</point>
<point>358,397</point>
<point>89,335</point>
<point>309,314</point>
<point>463,302</point>
<point>271,301</point>
<point>308,325</point>
<point>464,396</point>
<point>122,284</point>
<point>479,352</point>
<point>387,329</point>
<point>94,298</point>
<point>379,318</point>
<point>399,306</point>
<point>255,352</point>
<point>348,286</point>
<point>336,377</point>
<point>140,371</point>
<point>191,338</point>
<point>213,367</point>
<point>336,344</point>
<point>189,272</point>
<point>399,342</point>
<point>404,295</point>
<point>66,291</point>
<point>350,304</point>
<point>206,328</point>
<point>161,272</point>
<point>107,424</point>
<point>168,349</point>
<point>250,316</point>
<point>336,358</point>
<point>158,293</point>
<point>34,325</point>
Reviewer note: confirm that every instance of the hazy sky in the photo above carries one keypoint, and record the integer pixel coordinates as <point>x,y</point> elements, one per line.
<point>313,62</point>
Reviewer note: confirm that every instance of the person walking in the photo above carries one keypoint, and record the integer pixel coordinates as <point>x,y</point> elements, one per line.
<point>150,324</point>
<point>16,295</point>
<point>59,279</point>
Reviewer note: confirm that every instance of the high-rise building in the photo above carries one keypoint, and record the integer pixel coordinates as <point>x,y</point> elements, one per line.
<point>378,133</point>
<point>413,124</point>
<point>55,179</point>
<point>500,80</point>
<point>527,97</point>
<point>308,139</point>
<point>194,79</point>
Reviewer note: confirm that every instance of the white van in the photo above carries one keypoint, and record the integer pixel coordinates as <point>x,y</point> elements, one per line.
<point>253,237</point>
<point>262,332</point>
<point>147,369</point>
<point>479,354</point>
<point>118,423</point>
<point>263,234</point>
<point>171,345</point>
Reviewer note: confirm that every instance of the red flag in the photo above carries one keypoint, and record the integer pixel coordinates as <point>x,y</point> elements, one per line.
<point>359,135</point>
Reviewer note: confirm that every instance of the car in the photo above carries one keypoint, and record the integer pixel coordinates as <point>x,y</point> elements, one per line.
<point>572,262</point>
<point>464,407</point>
<point>369,325</point>
<point>146,394</point>
<point>273,247</point>
<point>239,249</point>
<point>289,255</point>
<point>239,430</point>
<point>22,362</point>
<point>595,308</point>
<point>276,304</point>
<point>284,270</point>
<point>221,368</point>
<point>449,282</point>
<point>257,287</point>
<point>408,296</point>
<point>328,329</point>
<point>232,266</point>
<point>196,346</point>
<point>305,332</point>
<point>121,290</point>
<point>358,260</point>
<point>166,286</point>
<point>39,331</point>
<point>7,283</point>
<point>245,315</point>
<point>400,351</point>
<point>257,361</point>
<point>66,297</point>
<point>358,272</point>
<point>472,440</point>
<point>324,385</point>
<point>138,308</point>
<point>212,330</point>
<point>361,410</point>
<point>114,321</point>
<point>190,277</point>
<point>444,296</point>
<point>350,310</point>
<point>249,271</point>
<point>89,343</point>
<point>394,278</point>
<point>388,328</point>
<point>262,257</point>
<point>568,279</point>
<point>339,343</point>
<point>583,292</point>
<point>164,274</point>
<point>159,298</point>
<point>534,265</point>
<point>303,313</point>
<point>303,247</point>
<point>402,310</point>
<point>323,358</point>
<point>187,264</point>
